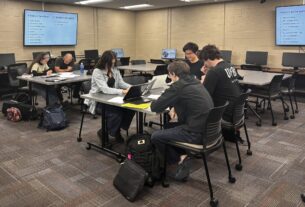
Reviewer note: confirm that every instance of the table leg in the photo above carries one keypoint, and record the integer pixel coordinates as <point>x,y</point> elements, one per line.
<point>31,93</point>
<point>104,139</point>
<point>47,95</point>
<point>140,122</point>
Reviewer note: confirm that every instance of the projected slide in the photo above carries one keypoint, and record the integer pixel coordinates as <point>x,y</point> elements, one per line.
<point>49,28</point>
<point>290,25</point>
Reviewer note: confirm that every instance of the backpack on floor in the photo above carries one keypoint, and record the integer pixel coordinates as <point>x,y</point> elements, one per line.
<point>141,150</point>
<point>13,114</point>
<point>53,118</point>
<point>28,112</point>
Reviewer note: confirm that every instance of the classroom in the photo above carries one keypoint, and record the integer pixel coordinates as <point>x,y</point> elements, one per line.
<point>152,103</point>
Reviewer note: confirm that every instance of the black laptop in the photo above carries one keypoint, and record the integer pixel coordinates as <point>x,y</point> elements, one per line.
<point>135,94</point>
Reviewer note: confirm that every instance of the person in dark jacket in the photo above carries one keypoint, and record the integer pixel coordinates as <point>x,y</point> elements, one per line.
<point>191,103</point>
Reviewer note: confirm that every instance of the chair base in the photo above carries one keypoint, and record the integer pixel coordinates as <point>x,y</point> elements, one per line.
<point>249,152</point>
<point>214,202</point>
<point>239,167</point>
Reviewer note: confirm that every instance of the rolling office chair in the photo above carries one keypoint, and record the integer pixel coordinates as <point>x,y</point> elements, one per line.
<point>137,62</point>
<point>237,122</point>
<point>18,86</point>
<point>212,140</point>
<point>273,92</point>
<point>289,90</point>
<point>157,61</point>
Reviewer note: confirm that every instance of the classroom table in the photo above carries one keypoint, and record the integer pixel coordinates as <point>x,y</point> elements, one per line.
<point>107,99</point>
<point>258,78</point>
<point>42,80</point>
<point>146,68</point>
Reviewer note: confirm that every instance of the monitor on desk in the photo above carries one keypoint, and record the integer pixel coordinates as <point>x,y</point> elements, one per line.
<point>169,53</point>
<point>295,60</point>
<point>91,54</point>
<point>119,52</point>
<point>72,52</point>
<point>35,54</point>
<point>7,59</point>
<point>256,58</point>
<point>226,55</point>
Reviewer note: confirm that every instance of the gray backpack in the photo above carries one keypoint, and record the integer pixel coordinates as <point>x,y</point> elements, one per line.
<point>53,118</point>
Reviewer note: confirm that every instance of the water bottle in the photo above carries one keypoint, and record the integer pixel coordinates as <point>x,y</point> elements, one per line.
<point>81,68</point>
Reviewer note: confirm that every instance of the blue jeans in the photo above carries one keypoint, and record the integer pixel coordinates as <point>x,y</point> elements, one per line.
<point>161,137</point>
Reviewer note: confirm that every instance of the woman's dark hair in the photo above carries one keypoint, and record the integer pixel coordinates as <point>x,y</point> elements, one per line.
<point>38,59</point>
<point>209,52</point>
<point>190,46</point>
<point>180,68</point>
<point>105,62</point>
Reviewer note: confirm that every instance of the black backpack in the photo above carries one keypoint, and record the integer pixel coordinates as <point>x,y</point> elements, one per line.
<point>28,112</point>
<point>53,118</point>
<point>141,150</point>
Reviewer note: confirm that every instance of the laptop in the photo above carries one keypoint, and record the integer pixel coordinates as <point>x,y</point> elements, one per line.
<point>159,82</point>
<point>135,94</point>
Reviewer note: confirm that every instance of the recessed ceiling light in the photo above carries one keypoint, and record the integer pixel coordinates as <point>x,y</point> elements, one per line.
<point>92,1</point>
<point>137,6</point>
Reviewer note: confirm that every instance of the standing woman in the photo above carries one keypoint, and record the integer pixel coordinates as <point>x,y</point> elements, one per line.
<point>40,67</point>
<point>108,80</point>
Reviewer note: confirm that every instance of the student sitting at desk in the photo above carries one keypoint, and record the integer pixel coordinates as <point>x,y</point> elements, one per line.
<point>221,79</point>
<point>107,79</point>
<point>192,103</point>
<point>66,64</point>
<point>190,51</point>
<point>40,67</point>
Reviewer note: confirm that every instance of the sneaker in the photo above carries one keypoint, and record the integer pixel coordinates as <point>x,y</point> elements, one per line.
<point>183,170</point>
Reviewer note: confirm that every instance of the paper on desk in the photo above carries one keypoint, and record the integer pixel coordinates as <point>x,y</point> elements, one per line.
<point>68,75</point>
<point>118,99</point>
<point>153,97</point>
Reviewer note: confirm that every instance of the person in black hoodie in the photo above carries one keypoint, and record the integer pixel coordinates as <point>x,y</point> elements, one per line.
<point>192,103</point>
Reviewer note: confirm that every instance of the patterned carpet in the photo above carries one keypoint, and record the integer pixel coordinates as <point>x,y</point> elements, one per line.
<point>40,168</point>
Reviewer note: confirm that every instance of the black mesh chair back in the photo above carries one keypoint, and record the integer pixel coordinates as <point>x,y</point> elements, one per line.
<point>157,61</point>
<point>275,85</point>
<point>138,62</point>
<point>88,63</point>
<point>135,80</point>
<point>14,71</point>
<point>212,133</point>
<point>124,60</point>
<point>161,70</point>
<point>238,109</point>
<point>291,83</point>
<point>86,87</point>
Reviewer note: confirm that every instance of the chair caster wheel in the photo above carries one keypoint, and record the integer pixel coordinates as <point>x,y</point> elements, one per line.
<point>258,123</point>
<point>274,124</point>
<point>239,167</point>
<point>249,152</point>
<point>145,124</point>
<point>232,179</point>
<point>286,118</point>
<point>36,104</point>
<point>120,159</point>
<point>165,184</point>
<point>303,197</point>
<point>292,117</point>
<point>296,111</point>
<point>88,147</point>
<point>150,124</point>
<point>79,139</point>
<point>214,202</point>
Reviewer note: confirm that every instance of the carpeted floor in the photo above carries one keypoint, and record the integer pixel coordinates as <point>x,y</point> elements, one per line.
<point>40,168</point>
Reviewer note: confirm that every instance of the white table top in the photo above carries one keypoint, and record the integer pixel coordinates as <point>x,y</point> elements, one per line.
<point>258,78</point>
<point>148,67</point>
<point>104,98</point>
<point>42,79</point>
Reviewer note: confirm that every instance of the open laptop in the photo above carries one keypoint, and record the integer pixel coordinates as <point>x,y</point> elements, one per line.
<point>135,94</point>
<point>159,82</point>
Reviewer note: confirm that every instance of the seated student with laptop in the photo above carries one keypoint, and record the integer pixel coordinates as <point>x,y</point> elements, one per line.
<point>221,79</point>
<point>107,79</point>
<point>39,67</point>
<point>66,64</point>
<point>190,50</point>
<point>192,103</point>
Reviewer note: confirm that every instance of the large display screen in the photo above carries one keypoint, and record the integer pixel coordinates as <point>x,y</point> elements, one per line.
<point>43,28</point>
<point>290,25</point>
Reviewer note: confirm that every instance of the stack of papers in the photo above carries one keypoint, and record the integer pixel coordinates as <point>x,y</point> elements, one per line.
<point>67,75</point>
<point>153,97</point>
<point>118,99</point>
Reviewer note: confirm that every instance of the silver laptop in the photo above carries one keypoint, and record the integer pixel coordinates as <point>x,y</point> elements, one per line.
<point>159,82</point>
